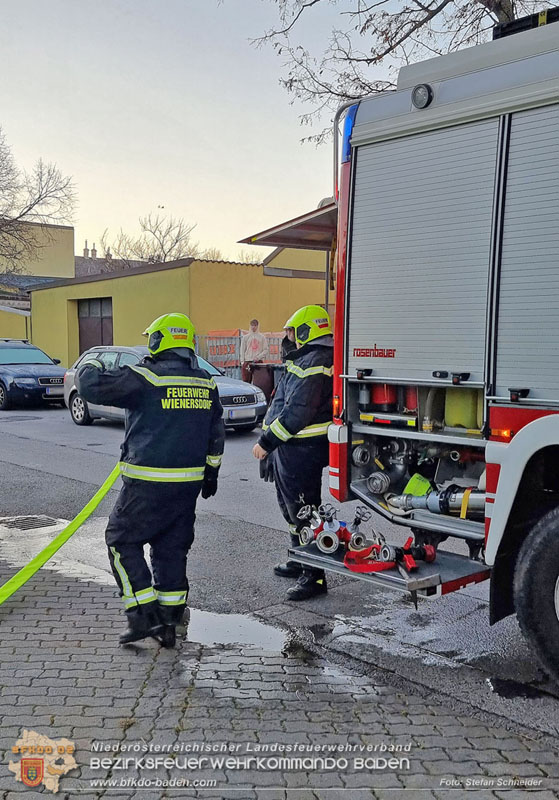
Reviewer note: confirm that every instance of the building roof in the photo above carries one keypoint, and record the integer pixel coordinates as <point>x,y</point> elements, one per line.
<point>84,265</point>
<point>106,276</point>
<point>22,282</point>
<point>314,230</point>
<point>48,283</point>
<point>11,310</point>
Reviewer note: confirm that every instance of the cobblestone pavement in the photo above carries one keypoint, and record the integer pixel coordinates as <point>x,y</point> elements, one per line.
<point>64,676</point>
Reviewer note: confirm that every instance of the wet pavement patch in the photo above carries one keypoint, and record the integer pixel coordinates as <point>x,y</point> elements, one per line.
<point>17,418</point>
<point>321,630</point>
<point>296,647</point>
<point>208,628</point>
<point>511,689</point>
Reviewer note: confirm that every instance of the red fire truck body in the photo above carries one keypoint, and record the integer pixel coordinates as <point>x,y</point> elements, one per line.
<point>446,372</point>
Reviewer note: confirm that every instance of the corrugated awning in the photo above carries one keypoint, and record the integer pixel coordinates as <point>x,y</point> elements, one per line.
<point>315,230</point>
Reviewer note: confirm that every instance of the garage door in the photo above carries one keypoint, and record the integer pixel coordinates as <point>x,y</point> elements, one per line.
<point>95,318</point>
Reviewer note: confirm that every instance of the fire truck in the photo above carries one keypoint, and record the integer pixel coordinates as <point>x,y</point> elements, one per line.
<point>446,372</point>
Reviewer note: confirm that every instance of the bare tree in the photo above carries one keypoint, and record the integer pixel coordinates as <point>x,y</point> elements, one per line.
<point>250,256</point>
<point>43,196</point>
<point>162,238</point>
<point>210,254</point>
<point>373,38</point>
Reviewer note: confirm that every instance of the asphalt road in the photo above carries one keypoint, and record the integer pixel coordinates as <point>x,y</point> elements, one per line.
<point>49,466</point>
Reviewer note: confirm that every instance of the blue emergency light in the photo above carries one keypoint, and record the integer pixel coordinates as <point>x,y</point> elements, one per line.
<point>349,122</point>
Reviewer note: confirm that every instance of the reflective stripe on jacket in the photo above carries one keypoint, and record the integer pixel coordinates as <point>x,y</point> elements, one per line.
<point>174,425</point>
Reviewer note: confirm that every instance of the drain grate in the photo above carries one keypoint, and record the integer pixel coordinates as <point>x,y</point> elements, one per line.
<point>28,523</point>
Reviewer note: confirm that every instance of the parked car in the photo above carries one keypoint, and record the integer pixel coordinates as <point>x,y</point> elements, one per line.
<point>244,405</point>
<point>27,375</point>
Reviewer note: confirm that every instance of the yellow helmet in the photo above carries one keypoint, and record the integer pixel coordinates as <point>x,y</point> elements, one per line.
<point>309,323</point>
<point>168,331</point>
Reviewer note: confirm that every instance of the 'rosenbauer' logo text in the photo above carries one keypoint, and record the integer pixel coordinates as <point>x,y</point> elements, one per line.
<point>374,352</point>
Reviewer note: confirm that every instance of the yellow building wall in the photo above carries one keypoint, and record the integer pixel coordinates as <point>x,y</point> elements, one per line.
<point>13,326</point>
<point>215,295</point>
<point>137,301</point>
<point>225,296</point>
<point>290,258</point>
<point>55,257</point>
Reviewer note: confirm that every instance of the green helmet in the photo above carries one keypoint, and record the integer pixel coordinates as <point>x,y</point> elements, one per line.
<point>168,331</point>
<point>309,323</point>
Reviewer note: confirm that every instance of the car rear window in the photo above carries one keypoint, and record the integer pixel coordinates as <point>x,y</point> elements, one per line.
<point>108,358</point>
<point>23,355</point>
<point>85,358</point>
<point>128,358</point>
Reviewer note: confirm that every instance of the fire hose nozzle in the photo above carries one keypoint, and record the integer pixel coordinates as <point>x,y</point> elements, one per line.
<point>408,554</point>
<point>306,535</point>
<point>327,542</point>
<point>387,553</point>
<point>357,542</point>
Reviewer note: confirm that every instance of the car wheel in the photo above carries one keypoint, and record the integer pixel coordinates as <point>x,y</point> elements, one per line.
<point>4,399</point>
<point>536,591</point>
<point>79,410</point>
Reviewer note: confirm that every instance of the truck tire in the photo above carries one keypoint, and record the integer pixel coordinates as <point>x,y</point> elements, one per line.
<point>536,591</point>
<point>79,410</point>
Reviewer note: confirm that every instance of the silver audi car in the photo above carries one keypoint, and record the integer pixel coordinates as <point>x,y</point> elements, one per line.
<point>244,405</point>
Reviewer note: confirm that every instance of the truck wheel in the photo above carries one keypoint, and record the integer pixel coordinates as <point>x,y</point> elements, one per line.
<point>4,399</point>
<point>79,410</point>
<point>536,591</point>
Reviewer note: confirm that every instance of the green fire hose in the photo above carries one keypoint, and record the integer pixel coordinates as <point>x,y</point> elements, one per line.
<point>25,573</point>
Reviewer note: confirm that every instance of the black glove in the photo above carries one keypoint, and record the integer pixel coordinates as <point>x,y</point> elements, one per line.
<point>209,485</point>
<point>266,466</point>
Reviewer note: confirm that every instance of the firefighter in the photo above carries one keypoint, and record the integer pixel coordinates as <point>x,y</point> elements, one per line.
<point>172,450</point>
<point>294,441</point>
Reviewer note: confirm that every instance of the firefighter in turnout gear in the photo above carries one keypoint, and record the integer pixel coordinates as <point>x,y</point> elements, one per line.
<point>172,451</point>
<point>294,443</point>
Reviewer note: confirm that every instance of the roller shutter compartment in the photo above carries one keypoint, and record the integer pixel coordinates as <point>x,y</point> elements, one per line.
<point>528,321</point>
<point>420,252</point>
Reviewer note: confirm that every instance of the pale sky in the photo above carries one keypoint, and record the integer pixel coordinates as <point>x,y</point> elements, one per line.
<point>152,103</point>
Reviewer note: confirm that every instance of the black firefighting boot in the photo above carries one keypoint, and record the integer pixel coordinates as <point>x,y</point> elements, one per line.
<point>143,621</point>
<point>170,616</point>
<point>291,569</point>
<point>311,583</point>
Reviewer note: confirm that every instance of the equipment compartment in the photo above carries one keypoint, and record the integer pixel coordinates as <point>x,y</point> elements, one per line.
<point>417,453</point>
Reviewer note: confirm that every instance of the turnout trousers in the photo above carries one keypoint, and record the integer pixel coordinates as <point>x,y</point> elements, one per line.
<point>298,477</point>
<point>161,515</point>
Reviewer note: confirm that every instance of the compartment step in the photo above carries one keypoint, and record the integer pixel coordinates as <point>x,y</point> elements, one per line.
<point>448,573</point>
